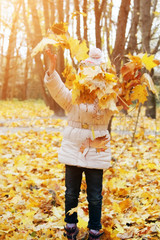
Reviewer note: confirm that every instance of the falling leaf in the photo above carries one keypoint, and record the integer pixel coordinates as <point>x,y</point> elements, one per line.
<point>148,61</point>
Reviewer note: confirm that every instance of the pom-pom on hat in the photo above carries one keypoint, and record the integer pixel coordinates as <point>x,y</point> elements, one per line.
<point>95,58</point>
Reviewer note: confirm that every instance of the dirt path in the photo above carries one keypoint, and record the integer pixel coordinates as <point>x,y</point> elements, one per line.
<point>9,130</point>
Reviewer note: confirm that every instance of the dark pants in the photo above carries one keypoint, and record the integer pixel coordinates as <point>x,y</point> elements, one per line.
<point>73,178</point>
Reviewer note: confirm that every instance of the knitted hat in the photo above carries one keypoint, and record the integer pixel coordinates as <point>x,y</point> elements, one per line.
<point>95,58</point>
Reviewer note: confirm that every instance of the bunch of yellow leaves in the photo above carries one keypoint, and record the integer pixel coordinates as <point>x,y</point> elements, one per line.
<point>94,83</point>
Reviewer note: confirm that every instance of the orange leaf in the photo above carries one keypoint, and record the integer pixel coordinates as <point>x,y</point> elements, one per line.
<point>124,205</point>
<point>59,28</point>
<point>98,143</point>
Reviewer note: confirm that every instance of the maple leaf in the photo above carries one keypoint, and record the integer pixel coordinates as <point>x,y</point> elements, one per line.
<point>42,44</point>
<point>78,50</point>
<point>110,77</point>
<point>69,74</point>
<point>59,28</point>
<point>139,93</point>
<point>99,143</point>
<point>90,72</point>
<point>128,70</point>
<point>108,102</point>
<point>87,97</point>
<point>136,59</point>
<point>148,61</point>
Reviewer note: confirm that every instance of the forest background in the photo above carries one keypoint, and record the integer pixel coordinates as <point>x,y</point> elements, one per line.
<point>116,27</point>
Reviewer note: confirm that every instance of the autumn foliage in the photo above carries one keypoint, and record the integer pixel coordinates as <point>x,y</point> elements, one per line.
<point>101,83</point>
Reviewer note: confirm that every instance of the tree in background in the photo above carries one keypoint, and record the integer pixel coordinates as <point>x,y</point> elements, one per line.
<point>98,10</point>
<point>146,21</point>
<point>119,47</point>
<point>10,51</point>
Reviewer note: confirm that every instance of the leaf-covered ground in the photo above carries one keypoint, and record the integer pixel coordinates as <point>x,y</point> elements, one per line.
<point>32,181</point>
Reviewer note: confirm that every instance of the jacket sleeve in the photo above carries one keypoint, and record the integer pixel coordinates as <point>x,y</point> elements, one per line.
<point>59,92</point>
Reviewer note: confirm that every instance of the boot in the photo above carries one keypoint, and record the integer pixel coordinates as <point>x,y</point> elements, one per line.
<point>71,233</point>
<point>94,236</point>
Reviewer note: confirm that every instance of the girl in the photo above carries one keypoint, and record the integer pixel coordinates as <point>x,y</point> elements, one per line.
<point>78,150</point>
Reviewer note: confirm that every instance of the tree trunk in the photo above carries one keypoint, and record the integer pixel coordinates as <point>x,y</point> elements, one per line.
<point>67,10</point>
<point>52,9</point>
<point>98,9</point>
<point>119,47</point>
<point>146,23</point>
<point>85,28</point>
<point>60,60</point>
<point>25,86</point>
<point>37,38</point>
<point>78,28</point>
<point>10,51</point>
<point>14,71</point>
<point>46,14</point>
<point>108,26</point>
<point>132,43</point>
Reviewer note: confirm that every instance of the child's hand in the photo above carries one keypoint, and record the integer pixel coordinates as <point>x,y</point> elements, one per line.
<point>52,61</point>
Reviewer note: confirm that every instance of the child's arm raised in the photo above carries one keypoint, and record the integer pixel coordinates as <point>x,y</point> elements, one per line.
<point>56,87</point>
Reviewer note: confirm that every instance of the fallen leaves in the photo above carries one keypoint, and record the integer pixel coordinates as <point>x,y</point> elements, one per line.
<point>32,180</point>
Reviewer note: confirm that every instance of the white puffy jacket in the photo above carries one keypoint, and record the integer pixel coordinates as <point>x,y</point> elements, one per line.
<point>84,122</point>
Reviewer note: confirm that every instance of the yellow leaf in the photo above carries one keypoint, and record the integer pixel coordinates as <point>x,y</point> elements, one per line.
<point>139,93</point>
<point>41,45</point>
<point>108,102</point>
<point>73,210</point>
<point>148,61</point>
<point>125,205</point>
<point>78,50</point>
<point>110,77</point>
<point>157,14</point>
<point>82,223</point>
<point>116,207</point>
